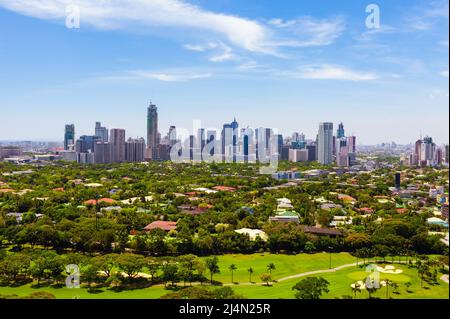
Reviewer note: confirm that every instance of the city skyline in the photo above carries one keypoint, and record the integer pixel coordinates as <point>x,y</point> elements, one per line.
<point>286,66</point>
<point>190,130</point>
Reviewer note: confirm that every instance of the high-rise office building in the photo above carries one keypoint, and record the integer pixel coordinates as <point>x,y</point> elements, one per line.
<point>415,160</point>
<point>312,152</point>
<point>172,135</point>
<point>102,152</point>
<point>85,144</point>
<point>340,131</point>
<point>200,142</point>
<point>277,145</point>
<point>134,150</point>
<point>101,132</point>
<point>152,131</point>
<point>351,142</point>
<point>117,141</point>
<point>69,136</point>
<point>325,143</point>
<point>211,139</point>
<point>428,149</point>
<point>229,141</point>
<point>342,152</point>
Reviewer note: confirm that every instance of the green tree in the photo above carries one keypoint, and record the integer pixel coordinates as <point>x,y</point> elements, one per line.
<point>267,278</point>
<point>153,267</point>
<point>130,264</point>
<point>14,265</point>
<point>250,272</point>
<point>232,268</point>
<point>311,288</point>
<point>170,273</point>
<point>213,266</point>
<point>271,267</point>
<point>105,263</point>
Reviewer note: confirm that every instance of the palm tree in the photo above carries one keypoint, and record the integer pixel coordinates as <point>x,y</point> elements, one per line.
<point>388,283</point>
<point>356,287</point>
<point>232,268</point>
<point>250,272</point>
<point>271,267</point>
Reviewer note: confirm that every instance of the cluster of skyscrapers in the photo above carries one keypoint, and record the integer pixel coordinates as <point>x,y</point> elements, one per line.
<point>426,153</point>
<point>102,147</point>
<point>231,144</point>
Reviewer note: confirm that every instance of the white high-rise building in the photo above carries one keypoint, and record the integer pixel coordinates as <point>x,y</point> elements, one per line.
<point>325,143</point>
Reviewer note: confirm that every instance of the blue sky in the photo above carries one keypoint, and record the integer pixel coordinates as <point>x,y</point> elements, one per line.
<point>285,64</point>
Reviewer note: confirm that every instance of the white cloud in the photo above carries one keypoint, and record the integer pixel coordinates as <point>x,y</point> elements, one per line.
<point>250,65</point>
<point>309,32</point>
<point>226,54</point>
<point>200,47</point>
<point>331,72</point>
<point>238,32</point>
<point>168,77</point>
<point>444,73</point>
<point>245,33</point>
<point>427,16</point>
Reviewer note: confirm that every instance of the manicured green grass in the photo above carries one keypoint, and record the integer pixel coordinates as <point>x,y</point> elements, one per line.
<point>286,265</point>
<point>83,293</point>
<point>341,280</point>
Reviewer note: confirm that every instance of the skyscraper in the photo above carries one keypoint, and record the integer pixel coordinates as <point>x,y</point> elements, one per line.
<point>102,152</point>
<point>340,131</point>
<point>229,141</point>
<point>351,142</point>
<point>201,141</point>
<point>152,131</point>
<point>85,144</point>
<point>427,151</point>
<point>134,150</point>
<point>342,151</point>
<point>117,141</point>
<point>172,135</point>
<point>325,143</point>
<point>211,140</point>
<point>69,136</point>
<point>101,132</point>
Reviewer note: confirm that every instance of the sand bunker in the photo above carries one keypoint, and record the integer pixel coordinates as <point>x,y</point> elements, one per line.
<point>389,270</point>
<point>362,285</point>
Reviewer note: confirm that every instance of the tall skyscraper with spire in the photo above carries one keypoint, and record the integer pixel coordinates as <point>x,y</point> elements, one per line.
<point>340,131</point>
<point>152,131</point>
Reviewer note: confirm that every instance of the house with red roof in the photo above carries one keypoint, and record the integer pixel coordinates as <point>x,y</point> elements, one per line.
<point>224,188</point>
<point>159,224</point>
<point>100,201</point>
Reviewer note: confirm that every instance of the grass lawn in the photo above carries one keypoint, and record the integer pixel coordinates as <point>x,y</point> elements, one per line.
<point>341,280</point>
<point>286,265</point>
<point>82,293</point>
